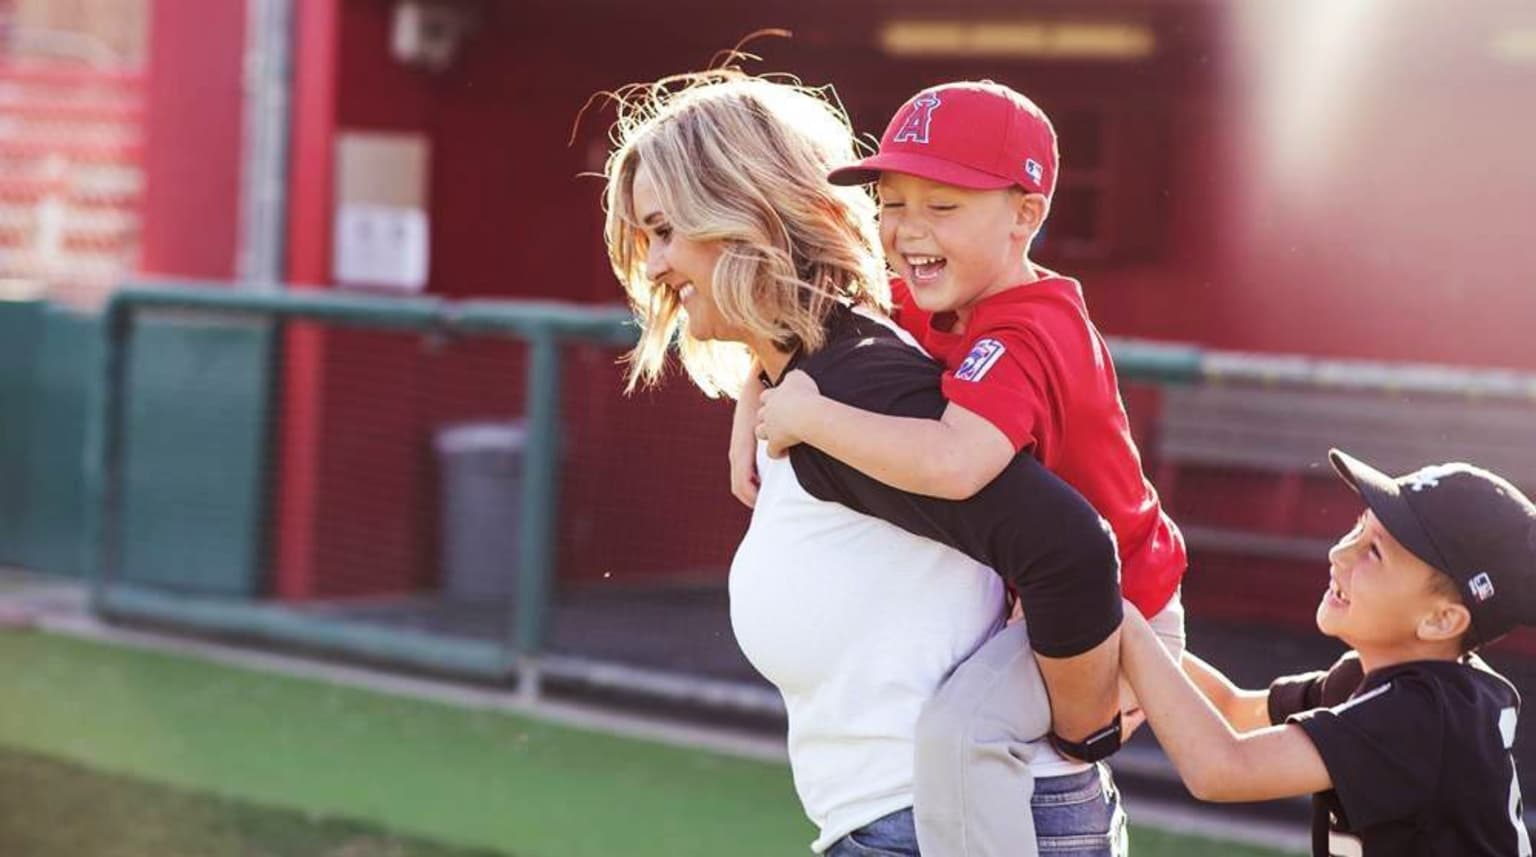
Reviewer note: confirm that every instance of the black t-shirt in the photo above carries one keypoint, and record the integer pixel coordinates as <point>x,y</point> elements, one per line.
<point>1420,758</point>
<point>1031,527</point>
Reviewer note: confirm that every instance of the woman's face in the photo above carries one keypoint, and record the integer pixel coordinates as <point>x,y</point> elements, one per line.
<point>675,262</point>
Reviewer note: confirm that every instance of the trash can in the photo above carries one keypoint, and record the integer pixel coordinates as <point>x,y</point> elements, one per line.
<point>480,466</point>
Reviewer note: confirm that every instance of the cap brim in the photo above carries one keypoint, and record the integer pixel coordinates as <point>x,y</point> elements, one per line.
<point>922,166</point>
<point>1385,499</point>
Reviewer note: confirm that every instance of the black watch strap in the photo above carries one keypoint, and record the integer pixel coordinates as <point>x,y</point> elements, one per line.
<point>1096,747</point>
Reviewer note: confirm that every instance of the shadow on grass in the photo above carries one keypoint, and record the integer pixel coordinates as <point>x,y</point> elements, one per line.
<point>54,809</point>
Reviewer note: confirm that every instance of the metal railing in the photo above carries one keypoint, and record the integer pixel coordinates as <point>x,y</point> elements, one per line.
<point>544,327</point>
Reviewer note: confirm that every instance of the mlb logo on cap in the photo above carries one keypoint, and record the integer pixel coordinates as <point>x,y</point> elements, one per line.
<point>1481,587</point>
<point>1033,169</point>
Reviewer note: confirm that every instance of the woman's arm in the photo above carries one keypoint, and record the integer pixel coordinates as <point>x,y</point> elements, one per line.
<point>952,457</point>
<point>1244,710</point>
<point>1215,763</point>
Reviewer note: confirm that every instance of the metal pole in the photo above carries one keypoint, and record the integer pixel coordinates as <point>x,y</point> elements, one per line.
<point>540,507</point>
<point>268,77</point>
<point>104,448</point>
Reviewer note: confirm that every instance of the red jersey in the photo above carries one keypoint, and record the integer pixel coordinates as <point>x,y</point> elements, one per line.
<point>1031,362</point>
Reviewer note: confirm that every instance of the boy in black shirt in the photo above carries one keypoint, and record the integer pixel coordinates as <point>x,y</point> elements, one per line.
<point>1406,741</point>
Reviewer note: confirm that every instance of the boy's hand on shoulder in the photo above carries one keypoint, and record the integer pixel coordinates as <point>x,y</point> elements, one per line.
<point>743,460</point>
<point>743,452</point>
<point>785,408</point>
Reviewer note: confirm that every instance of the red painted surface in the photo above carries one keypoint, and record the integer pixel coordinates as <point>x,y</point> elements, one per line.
<point>1406,238</point>
<point>192,138</point>
<point>302,409</point>
<point>645,489</point>
<point>509,218</point>
<point>295,496</point>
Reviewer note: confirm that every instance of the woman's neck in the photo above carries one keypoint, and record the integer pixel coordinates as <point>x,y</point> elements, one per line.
<point>771,359</point>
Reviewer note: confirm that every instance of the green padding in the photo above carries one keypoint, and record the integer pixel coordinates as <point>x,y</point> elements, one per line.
<point>1156,362</point>
<point>20,330</point>
<point>194,453</point>
<point>270,623</point>
<point>64,382</point>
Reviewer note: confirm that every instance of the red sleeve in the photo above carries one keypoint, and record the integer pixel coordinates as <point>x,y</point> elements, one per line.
<point>1003,380</point>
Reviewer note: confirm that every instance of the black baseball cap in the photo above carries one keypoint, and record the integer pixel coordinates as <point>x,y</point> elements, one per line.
<point>1466,522</point>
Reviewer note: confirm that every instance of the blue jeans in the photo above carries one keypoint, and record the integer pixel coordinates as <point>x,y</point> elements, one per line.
<point>1079,815</point>
<point>1075,816</point>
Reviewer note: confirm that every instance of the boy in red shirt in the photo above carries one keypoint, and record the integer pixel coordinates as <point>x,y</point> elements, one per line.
<point>964,175</point>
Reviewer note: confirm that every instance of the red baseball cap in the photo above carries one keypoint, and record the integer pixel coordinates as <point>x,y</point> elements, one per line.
<point>972,134</point>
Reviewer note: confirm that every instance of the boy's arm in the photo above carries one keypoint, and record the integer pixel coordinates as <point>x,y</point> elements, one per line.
<point>743,452</point>
<point>1043,538</point>
<point>1037,532</point>
<point>1244,710</point>
<point>1215,763</point>
<point>952,457</point>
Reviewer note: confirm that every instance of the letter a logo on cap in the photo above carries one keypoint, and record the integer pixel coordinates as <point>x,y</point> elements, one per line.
<point>914,129</point>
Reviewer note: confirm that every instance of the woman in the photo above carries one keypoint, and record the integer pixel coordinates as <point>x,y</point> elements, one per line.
<point>854,599</point>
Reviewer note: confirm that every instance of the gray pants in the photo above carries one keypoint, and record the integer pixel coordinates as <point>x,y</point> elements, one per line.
<point>973,786</point>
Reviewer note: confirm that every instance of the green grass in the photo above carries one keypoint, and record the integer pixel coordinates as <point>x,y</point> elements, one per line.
<point>411,768</point>
<point>1156,843</point>
<point>55,809</point>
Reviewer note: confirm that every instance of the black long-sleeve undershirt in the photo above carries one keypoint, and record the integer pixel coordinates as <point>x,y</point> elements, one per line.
<point>1033,528</point>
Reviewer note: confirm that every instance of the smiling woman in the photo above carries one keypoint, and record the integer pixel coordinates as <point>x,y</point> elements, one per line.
<point>772,242</point>
<point>855,599</point>
<point>681,264</point>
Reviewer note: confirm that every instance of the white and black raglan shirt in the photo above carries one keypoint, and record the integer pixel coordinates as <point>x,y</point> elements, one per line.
<point>856,600</point>
<point>1420,758</point>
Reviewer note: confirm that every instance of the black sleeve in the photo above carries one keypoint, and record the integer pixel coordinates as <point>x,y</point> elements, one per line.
<point>1031,527</point>
<point>1382,749</point>
<point>1294,694</point>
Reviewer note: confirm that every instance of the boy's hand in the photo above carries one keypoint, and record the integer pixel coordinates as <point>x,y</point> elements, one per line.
<point>744,465</point>
<point>743,452</point>
<point>784,410</point>
<point>1131,715</point>
<point>1132,627</point>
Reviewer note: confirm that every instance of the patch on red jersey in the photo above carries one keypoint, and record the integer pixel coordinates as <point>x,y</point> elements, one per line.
<point>984,354</point>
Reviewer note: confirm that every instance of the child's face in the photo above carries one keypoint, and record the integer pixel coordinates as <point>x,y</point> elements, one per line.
<point>678,263</point>
<point>1378,591</point>
<point>953,246</point>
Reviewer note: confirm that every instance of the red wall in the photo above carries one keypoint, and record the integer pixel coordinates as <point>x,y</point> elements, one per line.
<point>192,138</point>
<point>1405,237</point>
<point>509,218</point>
<point>1411,241</point>
<point>512,217</point>
<point>1383,209</point>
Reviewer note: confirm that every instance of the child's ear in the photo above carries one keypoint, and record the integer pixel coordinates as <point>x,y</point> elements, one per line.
<point>1447,621</point>
<point>1029,211</point>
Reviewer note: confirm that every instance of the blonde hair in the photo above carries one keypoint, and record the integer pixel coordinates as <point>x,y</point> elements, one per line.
<point>740,160</point>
